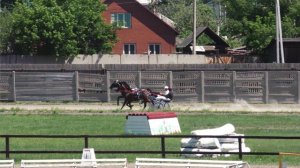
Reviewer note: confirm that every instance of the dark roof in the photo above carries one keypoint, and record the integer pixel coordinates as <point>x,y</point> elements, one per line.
<point>200,30</point>
<point>291,40</point>
<point>284,40</point>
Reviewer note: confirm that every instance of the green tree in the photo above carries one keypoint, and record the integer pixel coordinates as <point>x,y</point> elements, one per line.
<point>5,30</point>
<point>181,12</point>
<point>7,4</point>
<point>253,24</point>
<point>260,32</point>
<point>64,28</point>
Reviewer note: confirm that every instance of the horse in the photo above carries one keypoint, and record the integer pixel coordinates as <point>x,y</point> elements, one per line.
<point>122,87</point>
<point>130,94</point>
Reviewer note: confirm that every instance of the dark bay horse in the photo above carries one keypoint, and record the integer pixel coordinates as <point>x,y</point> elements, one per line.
<point>130,94</point>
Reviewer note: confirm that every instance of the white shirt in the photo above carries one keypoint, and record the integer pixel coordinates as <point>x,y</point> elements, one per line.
<point>166,92</point>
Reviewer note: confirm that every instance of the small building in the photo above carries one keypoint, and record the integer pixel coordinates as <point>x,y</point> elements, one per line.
<point>140,30</point>
<point>217,47</point>
<point>152,123</point>
<point>291,47</point>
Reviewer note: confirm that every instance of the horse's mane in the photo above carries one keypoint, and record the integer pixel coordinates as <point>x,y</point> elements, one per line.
<point>125,84</point>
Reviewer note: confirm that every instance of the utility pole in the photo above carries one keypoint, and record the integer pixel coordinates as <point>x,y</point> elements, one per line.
<point>277,38</point>
<point>279,41</point>
<point>195,28</point>
<point>219,19</point>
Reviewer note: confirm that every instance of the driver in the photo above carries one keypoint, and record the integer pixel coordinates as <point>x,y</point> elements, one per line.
<point>167,95</point>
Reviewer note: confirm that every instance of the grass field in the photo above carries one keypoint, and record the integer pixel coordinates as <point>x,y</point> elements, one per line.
<point>252,124</point>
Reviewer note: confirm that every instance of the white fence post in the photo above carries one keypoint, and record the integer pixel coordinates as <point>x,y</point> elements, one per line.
<point>139,79</point>
<point>108,85</point>
<point>14,96</point>
<point>202,87</point>
<point>171,79</point>
<point>266,92</point>
<point>233,86</point>
<point>76,80</point>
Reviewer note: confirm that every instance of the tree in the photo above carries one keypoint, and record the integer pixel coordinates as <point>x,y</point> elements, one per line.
<point>7,4</point>
<point>259,32</point>
<point>252,23</point>
<point>5,30</point>
<point>64,28</point>
<point>181,12</point>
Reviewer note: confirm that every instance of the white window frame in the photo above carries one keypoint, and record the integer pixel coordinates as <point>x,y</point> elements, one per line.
<point>155,45</point>
<point>122,20</point>
<point>129,48</point>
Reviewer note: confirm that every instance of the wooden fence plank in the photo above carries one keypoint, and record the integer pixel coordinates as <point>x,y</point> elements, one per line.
<point>44,85</point>
<point>92,87</point>
<point>6,90</point>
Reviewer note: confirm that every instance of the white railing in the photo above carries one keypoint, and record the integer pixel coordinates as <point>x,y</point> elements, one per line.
<point>7,163</point>
<point>149,162</point>
<point>74,163</point>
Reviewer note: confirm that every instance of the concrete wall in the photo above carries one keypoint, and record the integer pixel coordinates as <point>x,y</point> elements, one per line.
<point>139,59</point>
<point>107,59</point>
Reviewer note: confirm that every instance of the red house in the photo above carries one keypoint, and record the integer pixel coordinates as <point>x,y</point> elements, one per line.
<point>140,30</point>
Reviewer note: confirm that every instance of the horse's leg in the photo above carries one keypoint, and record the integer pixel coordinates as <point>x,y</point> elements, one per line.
<point>145,104</point>
<point>125,102</point>
<point>129,105</point>
<point>118,99</point>
<point>129,99</point>
<point>144,100</point>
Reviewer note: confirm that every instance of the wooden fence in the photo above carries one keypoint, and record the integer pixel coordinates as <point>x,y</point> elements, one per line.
<point>192,86</point>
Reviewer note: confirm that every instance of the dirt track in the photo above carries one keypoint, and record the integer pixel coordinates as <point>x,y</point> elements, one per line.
<point>99,108</point>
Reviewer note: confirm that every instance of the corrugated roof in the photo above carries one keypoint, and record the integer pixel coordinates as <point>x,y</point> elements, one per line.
<point>284,40</point>
<point>291,39</point>
<point>200,30</point>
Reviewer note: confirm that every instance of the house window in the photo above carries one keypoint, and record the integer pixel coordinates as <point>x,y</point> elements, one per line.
<point>121,19</point>
<point>154,48</point>
<point>129,49</point>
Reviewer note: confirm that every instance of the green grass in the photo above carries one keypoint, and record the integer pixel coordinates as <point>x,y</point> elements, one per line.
<point>251,124</point>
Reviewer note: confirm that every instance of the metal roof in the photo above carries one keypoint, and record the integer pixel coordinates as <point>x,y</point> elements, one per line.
<point>291,39</point>
<point>284,40</point>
